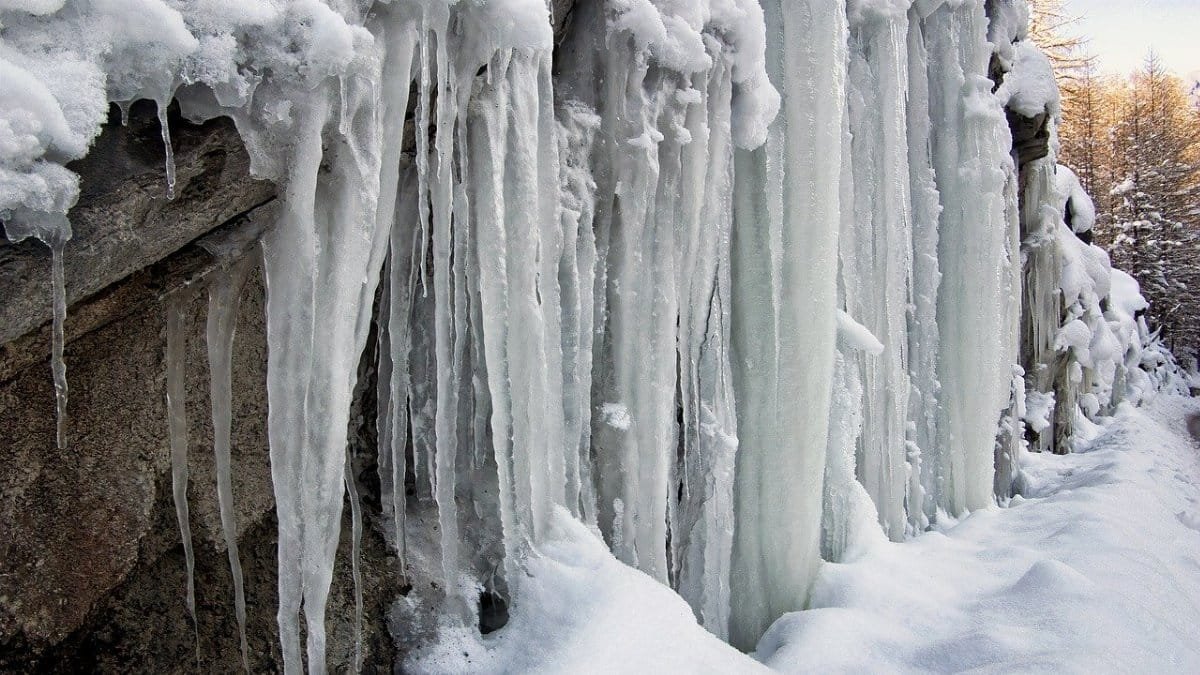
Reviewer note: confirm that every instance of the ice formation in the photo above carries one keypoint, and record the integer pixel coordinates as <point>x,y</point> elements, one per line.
<point>739,287</point>
<point>176,361</point>
<point>224,298</point>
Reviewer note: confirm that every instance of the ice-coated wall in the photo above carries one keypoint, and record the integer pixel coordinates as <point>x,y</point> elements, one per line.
<point>737,286</point>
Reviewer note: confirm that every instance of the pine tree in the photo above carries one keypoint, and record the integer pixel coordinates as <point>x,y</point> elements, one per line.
<point>1153,181</point>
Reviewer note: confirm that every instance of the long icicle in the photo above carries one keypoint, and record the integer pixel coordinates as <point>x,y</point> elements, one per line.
<point>166,138</point>
<point>355,554</point>
<point>401,286</point>
<point>176,358</point>
<point>58,365</point>
<point>224,298</point>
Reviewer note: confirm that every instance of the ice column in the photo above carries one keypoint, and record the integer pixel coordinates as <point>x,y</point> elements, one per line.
<point>1042,309</point>
<point>641,117</point>
<point>701,534</point>
<point>975,178</point>
<point>926,280</point>
<point>876,251</point>
<point>784,267</point>
<point>577,125</point>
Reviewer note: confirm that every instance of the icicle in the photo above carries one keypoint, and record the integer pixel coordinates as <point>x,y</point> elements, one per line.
<point>166,138</point>
<point>398,198</point>
<point>323,260</point>
<point>58,365</point>
<point>176,361</point>
<point>514,175</point>
<point>54,230</point>
<point>355,554</point>
<point>383,401</point>
<point>224,299</point>
<point>401,285</point>
<point>422,135</point>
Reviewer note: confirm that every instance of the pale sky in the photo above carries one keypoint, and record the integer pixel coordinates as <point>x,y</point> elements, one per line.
<point>1121,31</point>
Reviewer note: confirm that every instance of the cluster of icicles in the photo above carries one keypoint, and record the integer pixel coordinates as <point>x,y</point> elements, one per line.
<point>731,349</point>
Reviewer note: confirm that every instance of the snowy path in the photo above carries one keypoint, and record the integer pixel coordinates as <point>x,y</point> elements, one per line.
<point>1097,569</point>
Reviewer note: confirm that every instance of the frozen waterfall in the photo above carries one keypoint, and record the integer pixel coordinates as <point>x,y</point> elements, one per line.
<point>740,287</point>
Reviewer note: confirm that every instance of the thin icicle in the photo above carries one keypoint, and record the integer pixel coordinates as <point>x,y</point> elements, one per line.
<point>355,554</point>
<point>401,285</point>
<point>166,138</point>
<point>54,230</point>
<point>58,365</point>
<point>176,358</point>
<point>447,346</point>
<point>224,298</point>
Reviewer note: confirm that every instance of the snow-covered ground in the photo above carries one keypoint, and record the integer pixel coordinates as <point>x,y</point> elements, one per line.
<point>1095,569</point>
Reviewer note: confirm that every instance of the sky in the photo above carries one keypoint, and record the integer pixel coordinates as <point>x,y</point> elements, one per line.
<point>1120,32</point>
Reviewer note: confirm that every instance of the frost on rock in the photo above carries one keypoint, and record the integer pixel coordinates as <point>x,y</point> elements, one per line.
<point>740,288</point>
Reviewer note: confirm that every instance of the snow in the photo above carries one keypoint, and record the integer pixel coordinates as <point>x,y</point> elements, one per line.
<point>1083,210</point>
<point>1030,88</point>
<point>1126,294</point>
<point>857,336</point>
<point>616,415</point>
<point>1039,406</point>
<point>587,612</point>
<point>1068,578</point>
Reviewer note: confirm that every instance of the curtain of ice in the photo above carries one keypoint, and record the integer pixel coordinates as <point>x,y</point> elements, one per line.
<point>593,301</point>
<point>662,423</point>
<point>473,359</point>
<point>784,267</point>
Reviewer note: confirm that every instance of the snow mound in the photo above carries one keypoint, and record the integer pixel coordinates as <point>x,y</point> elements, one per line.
<point>584,611</point>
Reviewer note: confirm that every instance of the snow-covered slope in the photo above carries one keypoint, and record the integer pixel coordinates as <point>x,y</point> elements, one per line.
<point>1095,568</point>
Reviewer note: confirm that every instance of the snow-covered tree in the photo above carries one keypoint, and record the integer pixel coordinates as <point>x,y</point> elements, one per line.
<point>1153,182</point>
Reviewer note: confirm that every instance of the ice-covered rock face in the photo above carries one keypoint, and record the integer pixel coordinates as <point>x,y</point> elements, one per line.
<point>738,288</point>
